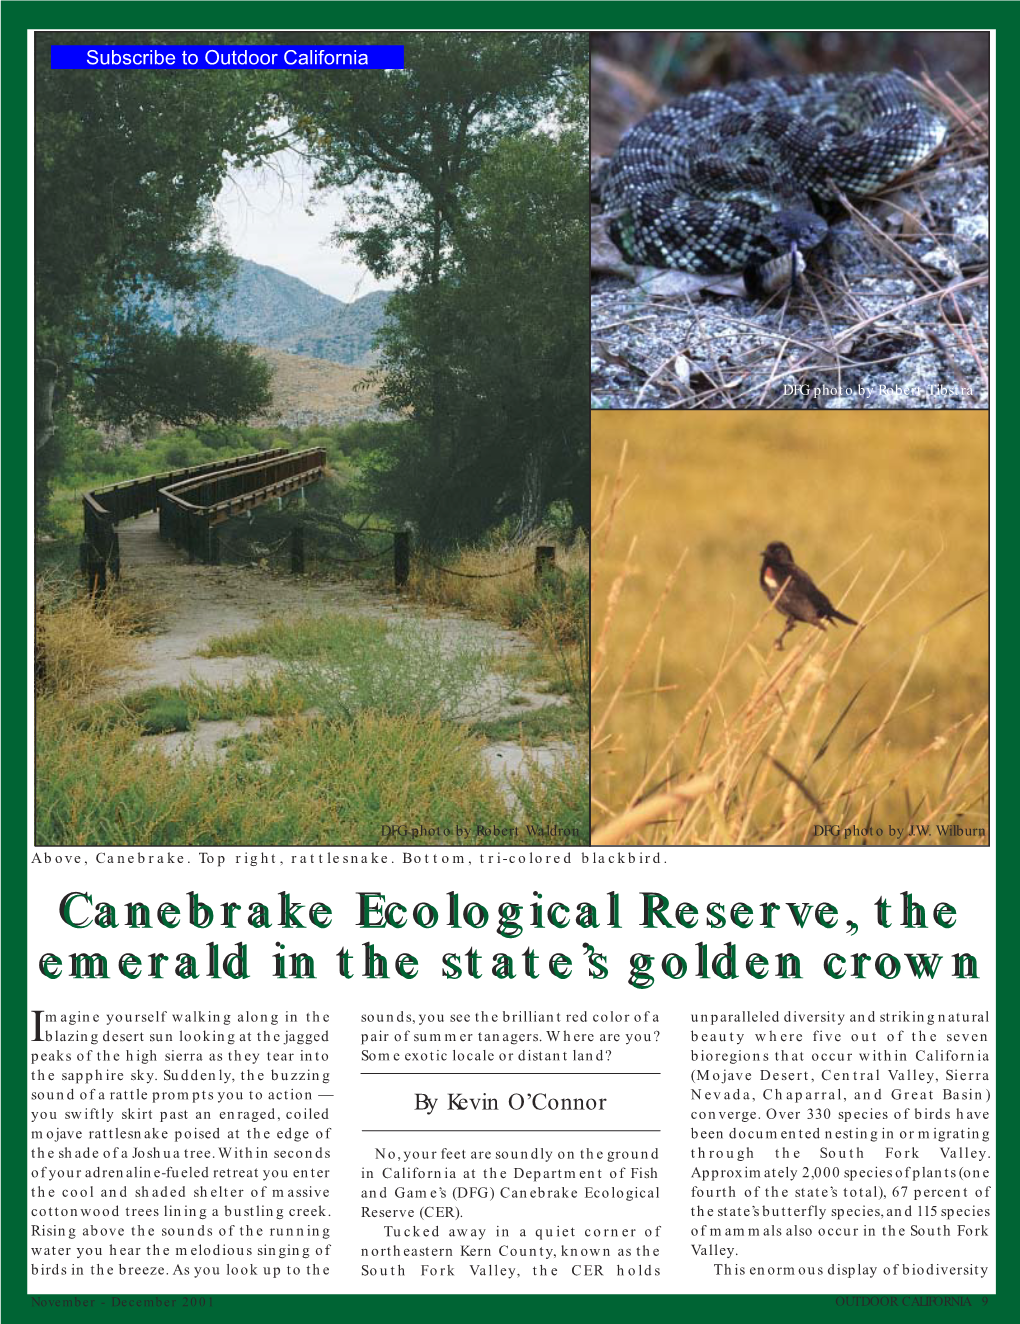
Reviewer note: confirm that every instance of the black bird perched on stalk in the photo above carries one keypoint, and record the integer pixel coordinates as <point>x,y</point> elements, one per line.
<point>794,592</point>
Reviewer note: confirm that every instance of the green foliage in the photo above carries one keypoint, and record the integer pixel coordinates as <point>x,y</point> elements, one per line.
<point>561,617</point>
<point>312,783</point>
<point>126,168</point>
<point>485,216</point>
<point>56,558</point>
<point>559,797</point>
<point>366,435</point>
<point>48,463</point>
<point>144,372</point>
<point>464,173</point>
<point>491,360</point>
<point>343,665</point>
<point>255,696</point>
<point>89,459</point>
<point>225,436</point>
<point>180,456</point>
<point>301,637</point>
<point>553,721</point>
<point>169,714</point>
<point>330,528</point>
<point>412,141</point>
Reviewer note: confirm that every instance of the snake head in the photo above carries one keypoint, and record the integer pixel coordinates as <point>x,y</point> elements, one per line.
<point>793,228</point>
<point>790,232</point>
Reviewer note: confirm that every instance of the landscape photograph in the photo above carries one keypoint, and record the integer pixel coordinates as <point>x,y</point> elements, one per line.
<point>311,452</point>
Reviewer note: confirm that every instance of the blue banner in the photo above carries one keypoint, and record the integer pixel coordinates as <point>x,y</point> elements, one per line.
<point>227,57</point>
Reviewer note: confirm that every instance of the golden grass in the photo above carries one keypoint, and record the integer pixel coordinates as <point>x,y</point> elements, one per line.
<point>311,784</point>
<point>80,642</point>
<point>495,596</point>
<point>317,388</point>
<point>878,727</point>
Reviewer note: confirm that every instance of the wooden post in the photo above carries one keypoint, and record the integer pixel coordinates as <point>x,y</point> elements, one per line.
<point>93,565</point>
<point>297,550</point>
<point>115,555</point>
<point>97,578</point>
<point>213,546</point>
<point>401,558</point>
<point>545,562</point>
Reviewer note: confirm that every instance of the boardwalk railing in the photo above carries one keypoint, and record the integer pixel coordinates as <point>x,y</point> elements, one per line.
<point>191,510</point>
<point>193,503</point>
<point>267,474</point>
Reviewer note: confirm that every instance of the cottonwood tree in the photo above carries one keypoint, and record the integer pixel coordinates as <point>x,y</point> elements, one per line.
<point>404,144</point>
<point>463,174</point>
<point>491,362</point>
<point>127,163</point>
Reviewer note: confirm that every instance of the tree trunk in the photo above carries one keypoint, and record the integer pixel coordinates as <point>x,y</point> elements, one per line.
<point>45,384</point>
<point>532,492</point>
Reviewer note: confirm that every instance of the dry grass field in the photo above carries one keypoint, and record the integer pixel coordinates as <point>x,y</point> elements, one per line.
<point>307,389</point>
<point>702,732</point>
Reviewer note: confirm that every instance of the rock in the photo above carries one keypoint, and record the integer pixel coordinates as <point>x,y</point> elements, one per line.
<point>972,229</point>
<point>670,284</point>
<point>970,233</point>
<point>889,288</point>
<point>606,258</point>
<point>942,262</point>
<point>682,372</point>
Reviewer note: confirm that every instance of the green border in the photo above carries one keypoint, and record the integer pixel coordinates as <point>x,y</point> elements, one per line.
<point>17,18</point>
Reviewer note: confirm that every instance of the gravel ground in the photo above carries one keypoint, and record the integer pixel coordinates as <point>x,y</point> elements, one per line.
<point>892,314</point>
<point>199,602</point>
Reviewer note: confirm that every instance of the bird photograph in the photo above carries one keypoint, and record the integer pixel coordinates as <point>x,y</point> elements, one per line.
<point>870,720</point>
<point>793,592</point>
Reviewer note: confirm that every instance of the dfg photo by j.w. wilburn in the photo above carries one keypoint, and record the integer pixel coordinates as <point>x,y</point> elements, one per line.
<point>791,640</point>
<point>311,439</point>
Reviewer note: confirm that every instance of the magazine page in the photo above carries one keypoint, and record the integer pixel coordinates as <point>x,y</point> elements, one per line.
<point>394,929</point>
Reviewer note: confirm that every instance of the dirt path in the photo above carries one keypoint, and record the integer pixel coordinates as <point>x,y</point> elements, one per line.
<point>200,602</point>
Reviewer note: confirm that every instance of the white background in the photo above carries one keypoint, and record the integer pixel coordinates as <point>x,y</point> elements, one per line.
<point>852,881</point>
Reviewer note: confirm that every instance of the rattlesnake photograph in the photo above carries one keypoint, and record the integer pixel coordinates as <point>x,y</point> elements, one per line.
<point>727,179</point>
<point>790,220</point>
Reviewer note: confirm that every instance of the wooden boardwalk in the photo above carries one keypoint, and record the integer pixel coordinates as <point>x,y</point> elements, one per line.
<point>140,543</point>
<point>184,508</point>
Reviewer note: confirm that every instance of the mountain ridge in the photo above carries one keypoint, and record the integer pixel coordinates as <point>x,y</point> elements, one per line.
<point>267,307</point>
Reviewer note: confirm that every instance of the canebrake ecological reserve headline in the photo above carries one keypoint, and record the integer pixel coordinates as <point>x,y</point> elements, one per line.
<point>508,920</point>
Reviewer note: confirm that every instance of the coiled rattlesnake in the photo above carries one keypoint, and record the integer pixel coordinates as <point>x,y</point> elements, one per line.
<point>727,179</point>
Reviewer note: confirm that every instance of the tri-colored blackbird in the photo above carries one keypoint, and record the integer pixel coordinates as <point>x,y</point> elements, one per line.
<point>794,592</point>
